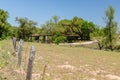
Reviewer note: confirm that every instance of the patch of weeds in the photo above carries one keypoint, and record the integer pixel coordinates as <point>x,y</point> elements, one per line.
<point>4,59</point>
<point>2,77</point>
<point>48,78</point>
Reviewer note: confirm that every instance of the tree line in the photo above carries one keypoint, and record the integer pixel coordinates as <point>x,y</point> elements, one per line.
<point>86,30</point>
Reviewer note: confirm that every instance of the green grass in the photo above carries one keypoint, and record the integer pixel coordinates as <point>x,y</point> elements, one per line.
<point>63,63</point>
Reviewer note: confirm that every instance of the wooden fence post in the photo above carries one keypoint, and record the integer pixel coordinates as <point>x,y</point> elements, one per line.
<point>30,63</point>
<point>20,48</point>
<point>14,40</point>
<point>43,75</point>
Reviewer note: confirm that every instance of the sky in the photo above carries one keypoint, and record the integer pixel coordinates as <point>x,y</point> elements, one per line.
<point>42,10</point>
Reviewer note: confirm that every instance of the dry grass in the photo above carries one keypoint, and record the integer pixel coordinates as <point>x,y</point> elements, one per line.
<point>64,63</point>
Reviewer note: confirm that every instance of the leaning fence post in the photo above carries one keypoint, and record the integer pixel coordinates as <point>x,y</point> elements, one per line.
<point>30,63</point>
<point>14,44</point>
<point>20,48</point>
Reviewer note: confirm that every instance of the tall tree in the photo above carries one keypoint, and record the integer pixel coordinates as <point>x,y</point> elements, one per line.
<point>55,19</point>
<point>51,26</point>
<point>82,28</point>
<point>4,25</point>
<point>111,28</point>
<point>66,26</point>
<point>48,28</point>
<point>26,27</point>
<point>87,28</point>
<point>76,25</point>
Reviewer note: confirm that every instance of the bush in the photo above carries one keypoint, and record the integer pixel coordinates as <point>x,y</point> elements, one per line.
<point>117,47</point>
<point>58,38</point>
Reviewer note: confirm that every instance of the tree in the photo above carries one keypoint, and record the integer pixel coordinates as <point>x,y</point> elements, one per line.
<point>66,27</point>
<point>51,26</point>
<point>87,28</point>
<point>48,28</point>
<point>4,25</point>
<point>26,28</point>
<point>82,28</point>
<point>55,19</point>
<point>110,29</point>
<point>76,26</point>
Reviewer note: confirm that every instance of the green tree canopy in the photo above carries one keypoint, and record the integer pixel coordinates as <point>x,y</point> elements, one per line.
<point>81,27</point>
<point>51,26</point>
<point>26,27</point>
<point>76,26</point>
<point>4,25</point>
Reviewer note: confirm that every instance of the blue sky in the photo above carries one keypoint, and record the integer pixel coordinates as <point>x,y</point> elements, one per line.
<point>42,10</point>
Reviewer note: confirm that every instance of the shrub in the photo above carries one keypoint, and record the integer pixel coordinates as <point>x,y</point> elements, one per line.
<point>58,38</point>
<point>117,47</point>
